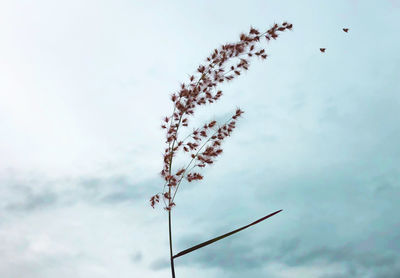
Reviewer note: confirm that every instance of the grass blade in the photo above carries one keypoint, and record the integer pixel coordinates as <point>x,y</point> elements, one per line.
<point>223,236</point>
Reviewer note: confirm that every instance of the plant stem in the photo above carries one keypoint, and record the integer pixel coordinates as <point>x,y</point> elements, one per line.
<point>170,245</point>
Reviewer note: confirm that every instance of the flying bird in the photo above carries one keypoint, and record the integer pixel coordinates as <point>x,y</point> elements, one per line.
<point>346,29</point>
<point>322,50</point>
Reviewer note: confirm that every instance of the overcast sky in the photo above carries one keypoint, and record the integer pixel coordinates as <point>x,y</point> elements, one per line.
<point>84,86</point>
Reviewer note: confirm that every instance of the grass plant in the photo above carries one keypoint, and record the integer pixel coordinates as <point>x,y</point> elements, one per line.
<point>204,144</point>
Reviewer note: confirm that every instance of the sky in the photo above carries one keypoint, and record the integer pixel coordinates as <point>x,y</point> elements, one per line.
<point>84,86</point>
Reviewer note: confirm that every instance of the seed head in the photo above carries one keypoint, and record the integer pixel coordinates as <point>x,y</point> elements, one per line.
<point>203,145</point>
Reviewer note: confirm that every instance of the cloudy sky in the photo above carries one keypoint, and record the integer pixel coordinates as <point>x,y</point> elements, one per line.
<point>84,86</point>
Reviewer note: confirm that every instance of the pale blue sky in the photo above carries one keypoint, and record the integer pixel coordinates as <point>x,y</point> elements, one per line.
<point>85,84</point>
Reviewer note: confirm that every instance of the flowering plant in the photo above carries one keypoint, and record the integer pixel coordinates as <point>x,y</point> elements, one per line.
<point>203,144</point>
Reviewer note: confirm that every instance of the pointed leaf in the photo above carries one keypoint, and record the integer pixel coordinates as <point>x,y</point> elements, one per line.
<point>223,236</point>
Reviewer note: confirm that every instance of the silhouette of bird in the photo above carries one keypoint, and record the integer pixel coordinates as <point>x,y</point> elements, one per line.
<point>322,50</point>
<point>346,29</point>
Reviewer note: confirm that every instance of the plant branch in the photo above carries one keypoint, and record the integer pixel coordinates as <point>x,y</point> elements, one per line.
<point>209,138</point>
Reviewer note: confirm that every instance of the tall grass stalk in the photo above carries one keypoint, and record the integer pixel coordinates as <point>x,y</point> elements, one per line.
<point>203,144</point>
